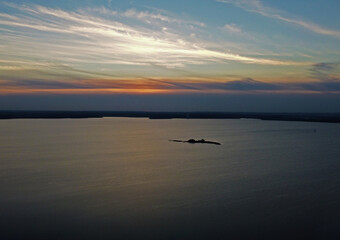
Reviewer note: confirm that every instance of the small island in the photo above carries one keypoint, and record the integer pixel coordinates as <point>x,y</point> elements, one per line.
<point>197,141</point>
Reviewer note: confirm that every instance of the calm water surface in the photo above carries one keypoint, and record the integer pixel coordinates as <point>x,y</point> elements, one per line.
<point>120,178</point>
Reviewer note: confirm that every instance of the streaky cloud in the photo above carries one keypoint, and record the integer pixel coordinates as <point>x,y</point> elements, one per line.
<point>232,28</point>
<point>326,72</point>
<point>96,39</point>
<point>249,84</point>
<point>150,17</point>
<point>256,6</point>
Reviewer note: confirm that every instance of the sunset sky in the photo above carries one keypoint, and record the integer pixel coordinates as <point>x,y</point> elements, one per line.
<point>178,55</point>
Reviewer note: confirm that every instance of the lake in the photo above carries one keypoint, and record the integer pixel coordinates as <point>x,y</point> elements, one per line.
<point>121,178</point>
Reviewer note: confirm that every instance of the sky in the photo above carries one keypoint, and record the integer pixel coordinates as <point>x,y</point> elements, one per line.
<point>179,55</point>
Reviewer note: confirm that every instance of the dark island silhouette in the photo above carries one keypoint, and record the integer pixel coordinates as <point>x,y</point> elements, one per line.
<point>196,141</point>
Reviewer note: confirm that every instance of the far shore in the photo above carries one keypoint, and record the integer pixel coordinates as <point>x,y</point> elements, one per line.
<point>304,117</point>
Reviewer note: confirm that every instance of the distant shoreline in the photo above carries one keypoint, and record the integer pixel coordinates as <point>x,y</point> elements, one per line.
<point>304,117</point>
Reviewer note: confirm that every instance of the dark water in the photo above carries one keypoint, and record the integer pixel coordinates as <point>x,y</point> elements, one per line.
<point>119,178</point>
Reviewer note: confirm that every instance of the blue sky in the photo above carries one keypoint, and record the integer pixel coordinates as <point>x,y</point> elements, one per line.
<point>220,49</point>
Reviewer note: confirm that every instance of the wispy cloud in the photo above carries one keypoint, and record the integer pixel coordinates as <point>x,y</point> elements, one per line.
<point>232,28</point>
<point>38,32</point>
<point>151,17</point>
<point>326,72</point>
<point>256,6</point>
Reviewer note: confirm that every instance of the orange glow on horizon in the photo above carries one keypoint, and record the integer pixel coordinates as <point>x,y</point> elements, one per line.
<point>155,86</point>
<point>108,91</point>
<point>82,91</point>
